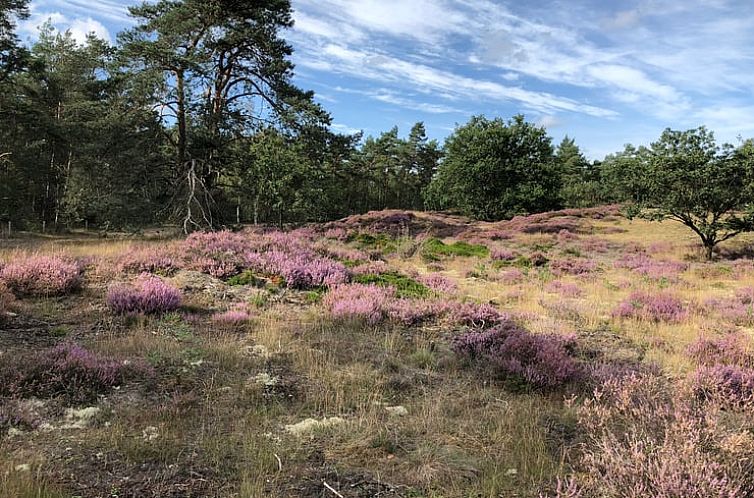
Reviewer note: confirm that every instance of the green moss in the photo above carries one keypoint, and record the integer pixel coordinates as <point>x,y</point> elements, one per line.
<point>404,286</point>
<point>381,242</point>
<point>245,278</point>
<point>436,249</point>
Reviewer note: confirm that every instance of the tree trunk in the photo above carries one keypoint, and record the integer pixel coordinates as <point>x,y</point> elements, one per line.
<point>708,249</point>
<point>181,117</point>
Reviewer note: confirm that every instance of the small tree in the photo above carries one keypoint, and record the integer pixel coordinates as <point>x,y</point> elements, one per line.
<point>495,169</point>
<point>688,178</point>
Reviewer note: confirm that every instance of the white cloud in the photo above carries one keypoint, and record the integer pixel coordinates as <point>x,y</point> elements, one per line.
<point>386,69</point>
<point>344,129</point>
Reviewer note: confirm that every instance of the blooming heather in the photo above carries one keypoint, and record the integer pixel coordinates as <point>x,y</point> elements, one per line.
<point>66,370</point>
<point>662,307</point>
<point>148,260</point>
<point>41,276</point>
<point>542,361</point>
<point>576,266</point>
<point>565,289</point>
<point>731,385</point>
<point>475,315</point>
<point>438,283</point>
<point>650,268</point>
<point>149,295</point>
<point>730,349</point>
<point>646,436</point>
<point>366,302</point>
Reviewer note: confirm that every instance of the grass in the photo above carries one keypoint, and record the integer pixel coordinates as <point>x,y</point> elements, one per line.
<point>220,432</point>
<point>404,286</point>
<point>436,250</point>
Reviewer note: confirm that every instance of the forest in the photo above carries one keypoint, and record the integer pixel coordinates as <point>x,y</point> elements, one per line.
<point>192,119</point>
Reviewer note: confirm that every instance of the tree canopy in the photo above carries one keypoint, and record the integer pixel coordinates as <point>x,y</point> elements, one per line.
<point>495,169</point>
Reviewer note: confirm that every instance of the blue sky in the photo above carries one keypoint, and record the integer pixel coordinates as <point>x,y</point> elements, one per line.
<point>604,72</point>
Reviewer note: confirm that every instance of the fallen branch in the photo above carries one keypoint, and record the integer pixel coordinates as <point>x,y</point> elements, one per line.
<point>324,483</point>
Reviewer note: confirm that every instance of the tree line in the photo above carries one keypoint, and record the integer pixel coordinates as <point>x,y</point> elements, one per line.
<point>192,118</point>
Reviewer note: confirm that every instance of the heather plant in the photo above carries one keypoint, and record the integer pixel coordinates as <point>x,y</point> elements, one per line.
<point>438,283</point>
<point>648,436</point>
<point>503,254</point>
<point>652,269</point>
<point>729,349</point>
<point>368,302</point>
<point>372,267</point>
<point>511,352</point>
<point>66,370</point>
<point>728,385</point>
<point>41,276</point>
<point>739,308</point>
<point>149,295</point>
<point>565,289</point>
<point>661,307</point>
<point>403,285</point>
<point>17,415</point>
<point>6,301</point>
<point>576,266</point>
<point>475,315</point>
<point>148,260</point>
<point>512,276</point>
<point>301,269</point>
<point>234,316</point>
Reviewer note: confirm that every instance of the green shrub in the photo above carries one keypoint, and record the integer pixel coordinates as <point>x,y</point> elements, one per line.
<point>436,249</point>
<point>404,286</point>
<point>380,241</point>
<point>245,278</point>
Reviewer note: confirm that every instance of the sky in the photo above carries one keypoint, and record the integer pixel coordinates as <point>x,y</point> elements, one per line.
<point>605,73</point>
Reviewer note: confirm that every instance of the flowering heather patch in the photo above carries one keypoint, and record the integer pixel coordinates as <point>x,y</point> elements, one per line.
<point>366,302</point>
<point>438,283</point>
<point>565,289</point>
<point>475,315</point>
<point>594,244</point>
<point>576,266</point>
<point>66,370</point>
<point>232,317</point>
<point>336,234</point>
<point>730,385</point>
<point>503,254</point>
<point>300,270</point>
<point>148,260</point>
<point>150,295</point>
<point>372,267</point>
<point>738,309</point>
<point>512,276</point>
<point>542,361</point>
<point>662,307</point>
<point>729,349</point>
<point>647,436</point>
<point>41,276</point>
<point>415,311</point>
<point>650,268</point>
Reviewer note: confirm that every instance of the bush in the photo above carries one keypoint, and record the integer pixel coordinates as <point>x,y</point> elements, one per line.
<point>41,276</point>
<point>67,371</point>
<point>655,307</point>
<point>438,283</point>
<point>6,301</point>
<point>150,295</point>
<point>300,269</point>
<point>647,436</point>
<point>436,249</point>
<point>729,349</point>
<point>572,266</point>
<point>729,385</point>
<point>404,286</point>
<point>475,315</point>
<point>368,302</point>
<point>542,361</point>
<point>148,260</point>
